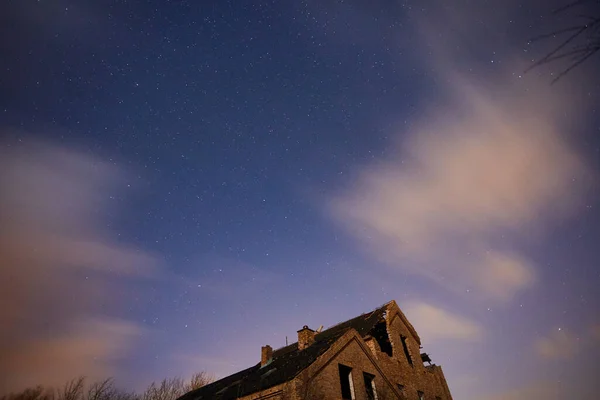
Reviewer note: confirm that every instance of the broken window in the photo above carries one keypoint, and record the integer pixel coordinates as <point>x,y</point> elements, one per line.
<point>402,391</point>
<point>346,382</point>
<point>406,352</point>
<point>379,332</point>
<point>370,386</point>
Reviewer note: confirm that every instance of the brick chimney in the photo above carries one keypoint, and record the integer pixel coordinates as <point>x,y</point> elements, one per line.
<point>266,355</point>
<point>306,337</point>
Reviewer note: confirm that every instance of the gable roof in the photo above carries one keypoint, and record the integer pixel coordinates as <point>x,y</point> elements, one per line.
<point>287,362</point>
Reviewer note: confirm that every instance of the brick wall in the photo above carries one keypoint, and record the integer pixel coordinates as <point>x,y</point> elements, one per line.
<point>416,377</point>
<point>321,380</point>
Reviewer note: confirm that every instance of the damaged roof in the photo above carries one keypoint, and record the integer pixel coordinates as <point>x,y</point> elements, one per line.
<point>287,362</point>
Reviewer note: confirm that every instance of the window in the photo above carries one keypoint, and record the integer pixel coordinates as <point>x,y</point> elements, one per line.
<point>346,382</point>
<point>380,334</point>
<point>421,395</point>
<point>402,391</point>
<point>406,352</point>
<point>370,386</point>
<point>438,398</point>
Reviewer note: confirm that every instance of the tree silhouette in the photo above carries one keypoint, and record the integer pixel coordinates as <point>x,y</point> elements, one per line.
<point>77,389</point>
<point>578,43</point>
<point>198,380</point>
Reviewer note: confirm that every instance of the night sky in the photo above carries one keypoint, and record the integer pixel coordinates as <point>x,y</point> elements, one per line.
<point>182,182</point>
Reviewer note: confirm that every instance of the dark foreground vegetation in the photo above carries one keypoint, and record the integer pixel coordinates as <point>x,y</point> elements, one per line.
<point>80,389</point>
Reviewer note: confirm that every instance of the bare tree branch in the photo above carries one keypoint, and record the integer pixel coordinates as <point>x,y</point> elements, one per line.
<point>587,32</point>
<point>76,389</point>
<point>37,393</point>
<point>570,5</point>
<point>102,390</point>
<point>72,390</point>
<point>198,380</point>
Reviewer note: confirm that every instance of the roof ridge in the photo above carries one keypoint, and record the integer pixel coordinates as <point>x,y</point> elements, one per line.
<point>358,316</point>
<point>287,361</point>
<point>340,323</point>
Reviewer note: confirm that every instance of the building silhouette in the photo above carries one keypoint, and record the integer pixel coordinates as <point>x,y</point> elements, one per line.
<point>375,356</point>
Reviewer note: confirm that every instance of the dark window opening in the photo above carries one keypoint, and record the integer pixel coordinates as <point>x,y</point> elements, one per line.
<point>370,386</point>
<point>421,395</point>
<point>438,398</point>
<point>379,332</point>
<point>402,392</point>
<point>346,382</point>
<point>406,352</point>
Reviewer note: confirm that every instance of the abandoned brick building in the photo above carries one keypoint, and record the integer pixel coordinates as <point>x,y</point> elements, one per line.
<point>375,356</point>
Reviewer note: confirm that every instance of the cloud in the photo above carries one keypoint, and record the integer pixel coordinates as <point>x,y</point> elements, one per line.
<point>87,348</point>
<point>434,323</point>
<point>59,270</point>
<point>485,169</point>
<point>563,344</point>
<point>559,344</point>
<point>595,332</point>
<point>501,274</point>
<point>537,390</point>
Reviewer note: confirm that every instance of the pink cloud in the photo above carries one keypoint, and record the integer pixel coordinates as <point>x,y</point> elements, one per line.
<point>59,268</point>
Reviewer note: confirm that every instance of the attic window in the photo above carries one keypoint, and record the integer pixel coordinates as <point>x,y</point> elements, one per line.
<point>370,386</point>
<point>406,352</point>
<point>346,383</point>
<point>380,334</point>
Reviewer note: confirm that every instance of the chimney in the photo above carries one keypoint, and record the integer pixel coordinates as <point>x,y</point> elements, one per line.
<point>266,355</point>
<point>306,337</point>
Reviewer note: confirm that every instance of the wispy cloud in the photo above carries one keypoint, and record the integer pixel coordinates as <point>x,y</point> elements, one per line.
<point>461,181</point>
<point>595,332</point>
<point>535,390</point>
<point>59,268</point>
<point>484,169</point>
<point>435,323</point>
<point>559,344</point>
<point>89,347</point>
<point>562,343</point>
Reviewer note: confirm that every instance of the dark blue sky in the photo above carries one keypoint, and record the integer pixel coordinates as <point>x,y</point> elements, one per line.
<point>231,110</point>
<point>288,163</point>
